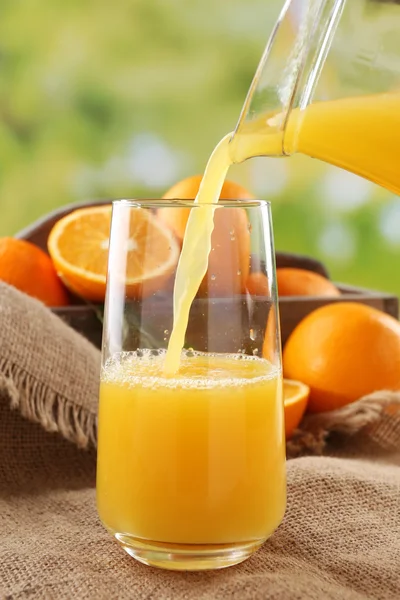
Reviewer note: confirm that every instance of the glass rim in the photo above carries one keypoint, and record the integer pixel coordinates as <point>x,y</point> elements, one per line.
<point>188,203</point>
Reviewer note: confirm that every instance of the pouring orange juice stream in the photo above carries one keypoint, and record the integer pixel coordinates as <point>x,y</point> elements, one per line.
<point>357,134</point>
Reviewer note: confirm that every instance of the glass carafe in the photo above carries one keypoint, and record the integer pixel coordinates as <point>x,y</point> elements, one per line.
<point>328,86</point>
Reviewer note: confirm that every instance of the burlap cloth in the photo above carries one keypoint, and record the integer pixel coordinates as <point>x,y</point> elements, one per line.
<point>340,537</point>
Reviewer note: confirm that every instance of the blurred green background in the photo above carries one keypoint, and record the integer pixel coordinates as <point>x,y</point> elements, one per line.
<point>101,99</point>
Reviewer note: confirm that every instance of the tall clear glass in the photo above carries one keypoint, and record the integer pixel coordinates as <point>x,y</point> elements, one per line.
<point>191,468</point>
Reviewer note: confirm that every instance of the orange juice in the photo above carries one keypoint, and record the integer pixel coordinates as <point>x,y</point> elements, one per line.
<point>359,134</point>
<point>198,458</point>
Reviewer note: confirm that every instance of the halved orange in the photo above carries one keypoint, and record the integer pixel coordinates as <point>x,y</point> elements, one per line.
<point>78,245</point>
<point>295,395</point>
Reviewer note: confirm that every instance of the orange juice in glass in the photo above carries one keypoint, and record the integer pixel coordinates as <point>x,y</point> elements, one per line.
<point>191,465</point>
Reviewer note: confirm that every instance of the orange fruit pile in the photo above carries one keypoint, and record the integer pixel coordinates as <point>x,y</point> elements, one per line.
<point>344,351</point>
<point>29,269</point>
<point>78,245</point>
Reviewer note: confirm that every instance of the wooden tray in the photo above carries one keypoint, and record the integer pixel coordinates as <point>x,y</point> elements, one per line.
<point>87,318</point>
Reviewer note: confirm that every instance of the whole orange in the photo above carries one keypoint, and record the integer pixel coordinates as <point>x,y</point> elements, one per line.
<point>344,351</point>
<point>229,259</point>
<point>30,270</point>
<point>300,282</point>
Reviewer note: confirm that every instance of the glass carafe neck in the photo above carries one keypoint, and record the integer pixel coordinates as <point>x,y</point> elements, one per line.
<point>290,66</point>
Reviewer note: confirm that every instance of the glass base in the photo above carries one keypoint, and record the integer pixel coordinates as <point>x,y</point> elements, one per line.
<point>187,557</point>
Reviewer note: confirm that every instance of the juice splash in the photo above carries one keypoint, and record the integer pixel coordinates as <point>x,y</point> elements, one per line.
<point>358,134</point>
<point>194,459</point>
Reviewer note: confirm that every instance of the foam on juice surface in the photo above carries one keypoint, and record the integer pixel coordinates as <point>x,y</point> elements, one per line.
<point>198,370</point>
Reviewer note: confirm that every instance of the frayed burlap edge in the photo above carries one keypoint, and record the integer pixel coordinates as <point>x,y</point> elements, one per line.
<point>37,402</point>
<point>370,413</point>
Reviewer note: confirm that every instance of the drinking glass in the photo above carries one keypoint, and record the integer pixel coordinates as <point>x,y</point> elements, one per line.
<point>191,468</point>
